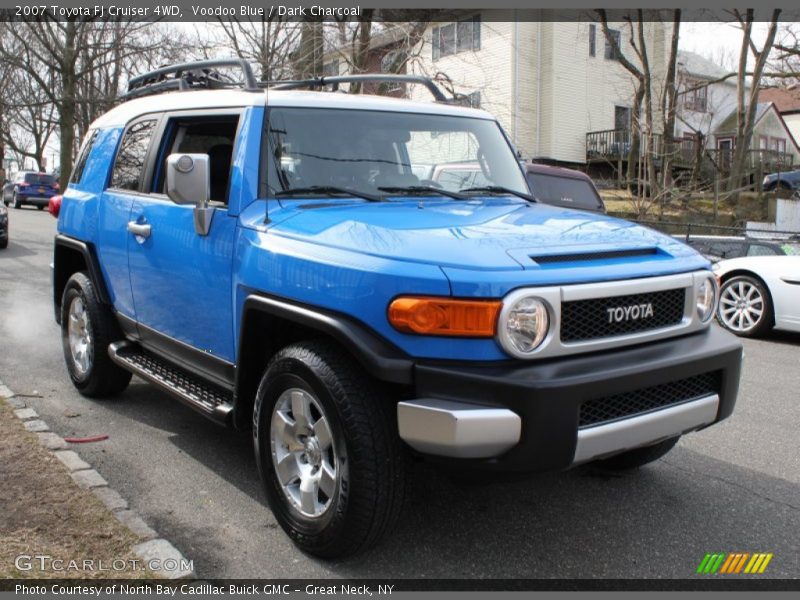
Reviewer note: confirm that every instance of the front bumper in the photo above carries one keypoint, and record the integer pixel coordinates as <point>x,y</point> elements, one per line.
<point>532,418</point>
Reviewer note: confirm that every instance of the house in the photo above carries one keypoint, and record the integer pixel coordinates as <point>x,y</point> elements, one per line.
<point>787,103</point>
<point>548,82</point>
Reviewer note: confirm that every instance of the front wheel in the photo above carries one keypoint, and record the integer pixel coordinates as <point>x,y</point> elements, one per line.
<point>328,451</point>
<point>87,329</point>
<point>15,203</point>
<point>745,307</point>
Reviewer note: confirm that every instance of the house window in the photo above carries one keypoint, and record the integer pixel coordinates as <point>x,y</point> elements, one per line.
<point>763,142</point>
<point>779,144</point>
<point>462,36</point>
<point>614,51</point>
<point>592,40</point>
<point>331,68</point>
<point>696,98</point>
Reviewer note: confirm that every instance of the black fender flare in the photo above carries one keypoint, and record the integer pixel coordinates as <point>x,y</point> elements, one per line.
<point>61,271</point>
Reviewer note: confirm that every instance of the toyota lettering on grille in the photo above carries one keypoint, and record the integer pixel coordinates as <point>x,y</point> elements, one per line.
<point>634,312</point>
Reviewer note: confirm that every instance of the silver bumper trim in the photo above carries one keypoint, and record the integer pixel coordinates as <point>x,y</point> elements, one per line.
<point>651,428</point>
<point>457,429</point>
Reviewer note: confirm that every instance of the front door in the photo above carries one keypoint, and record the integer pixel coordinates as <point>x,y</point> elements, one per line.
<point>182,281</point>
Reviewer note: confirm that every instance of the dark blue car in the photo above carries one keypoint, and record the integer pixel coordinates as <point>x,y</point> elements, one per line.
<point>788,181</point>
<point>30,187</point>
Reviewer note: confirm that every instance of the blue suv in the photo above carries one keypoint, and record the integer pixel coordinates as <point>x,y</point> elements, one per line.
<point>276,259</point>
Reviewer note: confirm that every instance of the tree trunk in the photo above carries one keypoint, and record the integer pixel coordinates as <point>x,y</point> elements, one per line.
<point>66,122</point>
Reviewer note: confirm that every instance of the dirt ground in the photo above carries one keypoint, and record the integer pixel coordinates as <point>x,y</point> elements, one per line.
<point>44,513</point>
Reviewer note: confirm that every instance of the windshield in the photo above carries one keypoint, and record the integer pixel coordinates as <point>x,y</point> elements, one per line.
<point>368,151</point>
<point>39,179</point>
<point>564,191</point>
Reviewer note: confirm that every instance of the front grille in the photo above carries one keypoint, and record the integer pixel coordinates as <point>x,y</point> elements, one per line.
<point>622,406</point>
<point>583,320</point>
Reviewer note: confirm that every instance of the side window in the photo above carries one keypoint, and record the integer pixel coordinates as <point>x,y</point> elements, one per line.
<point>80,164</point>
<point>213,135</point>
<point>761,250</point>
<point>131,156</point>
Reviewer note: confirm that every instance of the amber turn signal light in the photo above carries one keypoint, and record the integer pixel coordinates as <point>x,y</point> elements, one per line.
<point>428,315</point>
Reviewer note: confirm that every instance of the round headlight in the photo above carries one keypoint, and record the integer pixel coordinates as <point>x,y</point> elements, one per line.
<point>523,326</point>
<point>706,299</point>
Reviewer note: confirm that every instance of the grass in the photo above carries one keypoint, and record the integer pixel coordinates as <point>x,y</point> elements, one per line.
<point>45,513</point>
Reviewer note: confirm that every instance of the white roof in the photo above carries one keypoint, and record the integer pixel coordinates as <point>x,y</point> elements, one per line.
<point>201,99</point>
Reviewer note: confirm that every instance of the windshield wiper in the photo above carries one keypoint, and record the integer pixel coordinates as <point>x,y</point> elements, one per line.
<point>327,190</point>
<point>498,189</point>
<point>422,189</point>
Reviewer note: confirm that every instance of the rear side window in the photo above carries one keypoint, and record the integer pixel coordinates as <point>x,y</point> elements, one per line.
<point>39,179</point>
<point>761,250</point>
<point>131,156</point>
<point>80,164</point>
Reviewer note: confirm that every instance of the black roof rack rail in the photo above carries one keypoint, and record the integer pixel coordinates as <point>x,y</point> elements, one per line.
<point>201,74</point>
<point>198,74</point>
<point>335,80</point>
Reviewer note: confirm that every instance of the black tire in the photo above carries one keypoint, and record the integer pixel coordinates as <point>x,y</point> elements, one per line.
<point>99,376</point>
<point>727,315</point>
<point>14,202</point>
<point>39,207</point>
<point>638,457</point>
<point>4,243</point>
<point>370,460</point>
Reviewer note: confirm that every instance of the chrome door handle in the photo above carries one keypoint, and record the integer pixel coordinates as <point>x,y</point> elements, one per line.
<point>139,229</point>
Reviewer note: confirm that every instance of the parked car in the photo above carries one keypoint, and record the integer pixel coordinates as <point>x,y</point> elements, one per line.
<point>316,290</point>
<point>787,181</point>
<point>30,187</point>
<point>719,247</point>
<point>563,187</point>
<point>3,226</point>
<point>552,185</point>
<point>758,293</point>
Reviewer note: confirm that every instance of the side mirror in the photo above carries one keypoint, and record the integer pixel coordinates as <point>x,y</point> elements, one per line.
<point>188,182</point>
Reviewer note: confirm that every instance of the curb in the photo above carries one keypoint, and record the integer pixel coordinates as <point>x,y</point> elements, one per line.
<point>151,547</point>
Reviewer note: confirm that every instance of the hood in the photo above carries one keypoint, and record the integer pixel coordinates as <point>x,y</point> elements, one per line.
<point>481,234</point>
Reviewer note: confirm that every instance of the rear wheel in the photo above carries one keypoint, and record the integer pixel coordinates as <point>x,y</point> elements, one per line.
<point>633,459</point>
<point>745,306</point>
<point>39,207</point>
<point>87,329</point>
<point>328,451</point>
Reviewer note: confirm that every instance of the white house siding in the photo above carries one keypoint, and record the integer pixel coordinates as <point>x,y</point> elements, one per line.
<point>488,70</point>
<point>720,101</point>
<point>770,125</point>
<point>793,124</point>
<point>547,104</point>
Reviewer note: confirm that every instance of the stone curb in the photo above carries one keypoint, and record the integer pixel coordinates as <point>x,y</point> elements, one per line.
<point>158,554</point>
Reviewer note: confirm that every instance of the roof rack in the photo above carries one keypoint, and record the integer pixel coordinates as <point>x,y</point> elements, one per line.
<point>203,74</point>
<point>335,80</point>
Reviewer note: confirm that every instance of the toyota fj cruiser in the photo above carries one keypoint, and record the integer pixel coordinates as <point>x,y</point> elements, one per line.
<point>275,258</point>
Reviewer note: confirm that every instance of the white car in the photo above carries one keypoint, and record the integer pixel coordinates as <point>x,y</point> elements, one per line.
<point>758,293</point>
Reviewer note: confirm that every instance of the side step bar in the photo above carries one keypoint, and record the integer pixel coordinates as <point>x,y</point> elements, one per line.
<point>186,387</point>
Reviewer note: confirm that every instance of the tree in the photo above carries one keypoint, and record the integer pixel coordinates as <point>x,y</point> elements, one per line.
<point>747,99</point>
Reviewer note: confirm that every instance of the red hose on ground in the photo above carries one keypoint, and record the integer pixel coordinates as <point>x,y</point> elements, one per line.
<point>85,440</point>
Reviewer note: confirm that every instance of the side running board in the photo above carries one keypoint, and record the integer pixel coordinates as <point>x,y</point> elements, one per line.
<point>207,399</point>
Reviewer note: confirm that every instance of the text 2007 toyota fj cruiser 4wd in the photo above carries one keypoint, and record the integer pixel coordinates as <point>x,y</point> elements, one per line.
<point>281,259</point>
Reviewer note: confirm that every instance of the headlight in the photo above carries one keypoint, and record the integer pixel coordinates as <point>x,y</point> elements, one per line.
<point>706,298</point>
<point>523,325</point>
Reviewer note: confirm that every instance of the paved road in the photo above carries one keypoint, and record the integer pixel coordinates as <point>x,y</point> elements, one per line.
<point>735,487</point>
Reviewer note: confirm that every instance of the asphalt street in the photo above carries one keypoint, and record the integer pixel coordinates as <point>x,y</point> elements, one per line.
<point>732,488</point>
